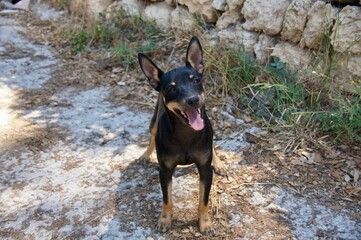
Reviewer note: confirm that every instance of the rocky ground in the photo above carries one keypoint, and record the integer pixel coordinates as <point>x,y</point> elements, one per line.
<point>70,137</point>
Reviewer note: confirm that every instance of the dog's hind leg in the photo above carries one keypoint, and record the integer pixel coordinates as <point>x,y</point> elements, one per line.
<point>153,131</point>
<point>218,166</point>
<point>151,146</point>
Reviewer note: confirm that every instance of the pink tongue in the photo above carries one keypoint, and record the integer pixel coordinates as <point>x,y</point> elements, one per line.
<point>195,119</point>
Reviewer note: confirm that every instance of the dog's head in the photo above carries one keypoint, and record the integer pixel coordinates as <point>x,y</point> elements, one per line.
<point>181,88</point>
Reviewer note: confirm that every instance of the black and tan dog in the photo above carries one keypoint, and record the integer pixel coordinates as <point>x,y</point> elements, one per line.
<point>181,131</point>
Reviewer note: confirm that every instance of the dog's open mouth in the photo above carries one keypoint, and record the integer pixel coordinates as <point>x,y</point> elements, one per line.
<point>194,118</point>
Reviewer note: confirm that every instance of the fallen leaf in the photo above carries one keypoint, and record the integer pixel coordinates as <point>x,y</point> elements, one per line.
<point>333,162</point>
<point>275,147</point>
<point>248,137</point>
<point>335,174</point>
<point>320,233</point>
<point>246,118</point>
<point>298,161</point>
<point>335,207</point>
<point>356,175</point>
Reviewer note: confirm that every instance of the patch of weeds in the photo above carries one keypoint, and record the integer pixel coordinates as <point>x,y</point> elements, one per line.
<point>102,34</point>
<point>243,69</point>
<point>60,4</point>
<point>79,41</point>
<point>343,122</point>
<point>233,70</point>
<point>125,54</point>
<point>64,5</point>
<point>200,22</point>
<point>288,91</point>
<point>282,97</point>
<point>119,33</point>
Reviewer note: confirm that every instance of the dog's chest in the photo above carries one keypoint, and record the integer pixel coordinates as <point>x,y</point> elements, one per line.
<point>185,156</point>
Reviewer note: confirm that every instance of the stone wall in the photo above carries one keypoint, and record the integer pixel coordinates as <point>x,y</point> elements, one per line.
<point>288,29</point>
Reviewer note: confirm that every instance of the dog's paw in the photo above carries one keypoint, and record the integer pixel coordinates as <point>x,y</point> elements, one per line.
<point>163,226</point>
<point>164,223</point>
<point>205,226</point>
<point>144,158</point>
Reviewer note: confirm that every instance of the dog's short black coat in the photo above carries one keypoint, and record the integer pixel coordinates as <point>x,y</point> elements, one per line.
<point>181,130</point>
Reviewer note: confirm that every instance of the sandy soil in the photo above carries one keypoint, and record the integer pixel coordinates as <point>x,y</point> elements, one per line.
<point>69,168</point>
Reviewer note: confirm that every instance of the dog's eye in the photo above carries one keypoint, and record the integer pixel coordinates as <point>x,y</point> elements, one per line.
<point>171,89</point>
<point>196,81</point>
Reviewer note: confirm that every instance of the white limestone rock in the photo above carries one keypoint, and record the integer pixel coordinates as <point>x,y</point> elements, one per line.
<point>130,7</point>
<point>232,15</point>
<point>319,21</point>
<point>346,33</point>
<point>234,4</point>
<point>228,18</point>
<point>264,47</point>
<point>219,5</point>
<point>265,16</point>
<point>348,73</point>
<point>161,13</point>
<point>354,66</point>
<point>350,63</point>
<point>238,37</point>
<point>89,8</point>
<point>182,19</point>
<point>171,2</point>
<point>295,20</point>
<point>203,7</point>
<point>293,55</point>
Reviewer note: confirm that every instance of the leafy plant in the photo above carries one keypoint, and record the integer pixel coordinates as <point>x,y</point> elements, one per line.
<point>119,32</point>
<point>80,41</point>
<point>125,54</point>
<point>344,122</point>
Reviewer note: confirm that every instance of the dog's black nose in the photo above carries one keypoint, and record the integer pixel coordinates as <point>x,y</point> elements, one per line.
<point>193,100</point>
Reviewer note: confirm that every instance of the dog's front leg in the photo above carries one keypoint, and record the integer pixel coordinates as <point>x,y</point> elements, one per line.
<point>205,182</point>
<point>165,218</point>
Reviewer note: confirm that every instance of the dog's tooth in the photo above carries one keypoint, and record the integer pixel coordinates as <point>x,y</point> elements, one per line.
<point>184,115</point>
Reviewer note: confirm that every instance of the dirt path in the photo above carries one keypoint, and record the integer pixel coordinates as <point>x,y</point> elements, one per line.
<point>69,168</point>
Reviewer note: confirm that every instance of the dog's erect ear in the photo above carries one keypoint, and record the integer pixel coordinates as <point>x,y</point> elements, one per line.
<point>150,70</point>
<point>194,56</point>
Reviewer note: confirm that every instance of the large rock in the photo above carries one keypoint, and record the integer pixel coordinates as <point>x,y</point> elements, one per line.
<point>161,13</point>
<point>263,48</point>
<point>354,66</point>
<point>228,18</point>
<point>319,21</point>
<point>130,7</point>
<point>348,73</point>
<point>232,15</point>
<point>203,7</point>
<point>350,63</point>
<point>266,16</point>
<point>234,4</point>
<point>171,2</point>
<point>346,33</point>
<point>293,55</point>
<point>182,19</point>
<point>219,4</point>
<point>89,8</point>
<point>238,37</point>
<point>295,20</point>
